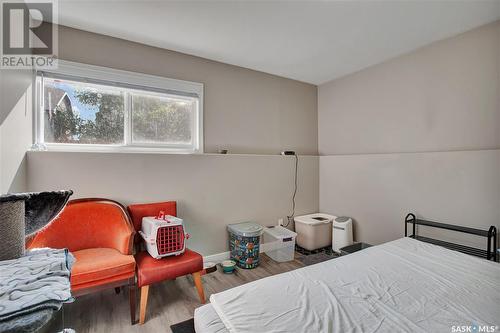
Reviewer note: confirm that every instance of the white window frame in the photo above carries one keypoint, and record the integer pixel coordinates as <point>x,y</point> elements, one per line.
<point>150,85</point>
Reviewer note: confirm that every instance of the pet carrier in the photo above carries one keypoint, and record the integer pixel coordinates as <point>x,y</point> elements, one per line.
<point>164,235</point>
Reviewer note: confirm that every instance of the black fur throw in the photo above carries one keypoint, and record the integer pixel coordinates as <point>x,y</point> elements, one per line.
<point>40,207</point>
<point>23,214</point>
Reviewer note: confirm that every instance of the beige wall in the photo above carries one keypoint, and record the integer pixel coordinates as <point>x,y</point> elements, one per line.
<point>444,99</point>
<point>212,190</point>
<point>245,111</point>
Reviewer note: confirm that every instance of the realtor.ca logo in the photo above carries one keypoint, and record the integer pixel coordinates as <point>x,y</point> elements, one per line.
<point>474,328</point>
<point>29,34</point>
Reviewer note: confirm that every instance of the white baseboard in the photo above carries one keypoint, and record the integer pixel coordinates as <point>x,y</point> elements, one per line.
<point>216,258</point>
<point>220,257</point>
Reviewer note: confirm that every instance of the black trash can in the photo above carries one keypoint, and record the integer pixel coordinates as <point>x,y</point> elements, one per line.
<point>353,248</point>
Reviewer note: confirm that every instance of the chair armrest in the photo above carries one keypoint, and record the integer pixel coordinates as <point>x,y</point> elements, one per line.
<point>121,238</point>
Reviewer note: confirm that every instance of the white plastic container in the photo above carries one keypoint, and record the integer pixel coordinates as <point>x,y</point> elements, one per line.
<point>164,236</point>
<point>314,231</point>
<point>280,243</point>
<point>341,233</point>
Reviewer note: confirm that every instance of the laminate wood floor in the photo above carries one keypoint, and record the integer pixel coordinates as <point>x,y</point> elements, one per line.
<point>169,302</point>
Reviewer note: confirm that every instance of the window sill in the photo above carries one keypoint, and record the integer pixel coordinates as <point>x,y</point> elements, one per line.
<point>115,149</point>
<point>166,152</point>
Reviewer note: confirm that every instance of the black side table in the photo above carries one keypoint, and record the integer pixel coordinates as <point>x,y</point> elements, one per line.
<point>353,248</point>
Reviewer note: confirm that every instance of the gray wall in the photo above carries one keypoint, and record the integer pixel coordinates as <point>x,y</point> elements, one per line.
<point>419,133</point>
<point>15,128</point>
<point>378,190</point>
<point>212,190</point>
<point>246,111</point>
<point>444,96</point>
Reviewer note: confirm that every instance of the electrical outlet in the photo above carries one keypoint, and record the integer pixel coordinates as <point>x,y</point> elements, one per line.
<point>287,152</point>
<point>280,222</point>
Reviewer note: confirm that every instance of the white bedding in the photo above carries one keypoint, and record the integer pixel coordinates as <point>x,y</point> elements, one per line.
<point>401,286</point>
<point>206,320</point>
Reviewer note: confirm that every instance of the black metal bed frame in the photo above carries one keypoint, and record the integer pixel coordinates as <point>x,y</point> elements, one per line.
<point>491,234</point>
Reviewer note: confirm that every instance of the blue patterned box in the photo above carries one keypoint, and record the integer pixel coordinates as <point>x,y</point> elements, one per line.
<point>244,243</point>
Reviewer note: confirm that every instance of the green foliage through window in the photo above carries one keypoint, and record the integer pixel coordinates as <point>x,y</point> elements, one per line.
<point>81,113</point>
<point>161,120</point>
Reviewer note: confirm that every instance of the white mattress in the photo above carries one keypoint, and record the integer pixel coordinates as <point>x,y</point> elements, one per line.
<point>206,320</point>
<point>404,285</point>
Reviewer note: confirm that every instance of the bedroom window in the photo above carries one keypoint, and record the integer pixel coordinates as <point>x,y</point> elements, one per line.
<point>87,108</point>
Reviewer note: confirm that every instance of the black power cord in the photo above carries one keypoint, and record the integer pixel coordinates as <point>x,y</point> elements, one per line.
<point>290,217</point>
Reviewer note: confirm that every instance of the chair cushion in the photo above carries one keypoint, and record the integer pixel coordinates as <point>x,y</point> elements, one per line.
<point>151,270</point>
<point>100,266</point>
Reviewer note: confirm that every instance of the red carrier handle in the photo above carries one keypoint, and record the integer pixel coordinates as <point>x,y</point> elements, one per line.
<point>162,216</point>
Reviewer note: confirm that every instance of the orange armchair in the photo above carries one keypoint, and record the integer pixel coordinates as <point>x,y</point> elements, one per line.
<point>98,232</point>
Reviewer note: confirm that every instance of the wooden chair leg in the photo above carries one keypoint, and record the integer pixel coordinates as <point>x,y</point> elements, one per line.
<point>199,286</point>
<point>132,303</point>
<point>144,303</point>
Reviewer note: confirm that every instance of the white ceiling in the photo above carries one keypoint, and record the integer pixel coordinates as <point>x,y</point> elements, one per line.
<point>311,41</point>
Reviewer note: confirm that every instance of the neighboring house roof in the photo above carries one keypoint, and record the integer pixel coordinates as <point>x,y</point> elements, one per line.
<point>56,100</point>
<point>54,97</point>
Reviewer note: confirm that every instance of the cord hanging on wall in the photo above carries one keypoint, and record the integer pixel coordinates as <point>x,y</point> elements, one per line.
<point>290,217</point>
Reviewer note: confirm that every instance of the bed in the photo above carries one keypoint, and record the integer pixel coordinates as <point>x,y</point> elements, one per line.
<point>405,285</point>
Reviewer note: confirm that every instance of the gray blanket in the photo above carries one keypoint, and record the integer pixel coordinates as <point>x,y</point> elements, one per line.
<point>34,285</point>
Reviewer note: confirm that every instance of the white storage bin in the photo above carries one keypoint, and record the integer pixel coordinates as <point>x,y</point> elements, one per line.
<point>314,231</point>
<point>280,243</point>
